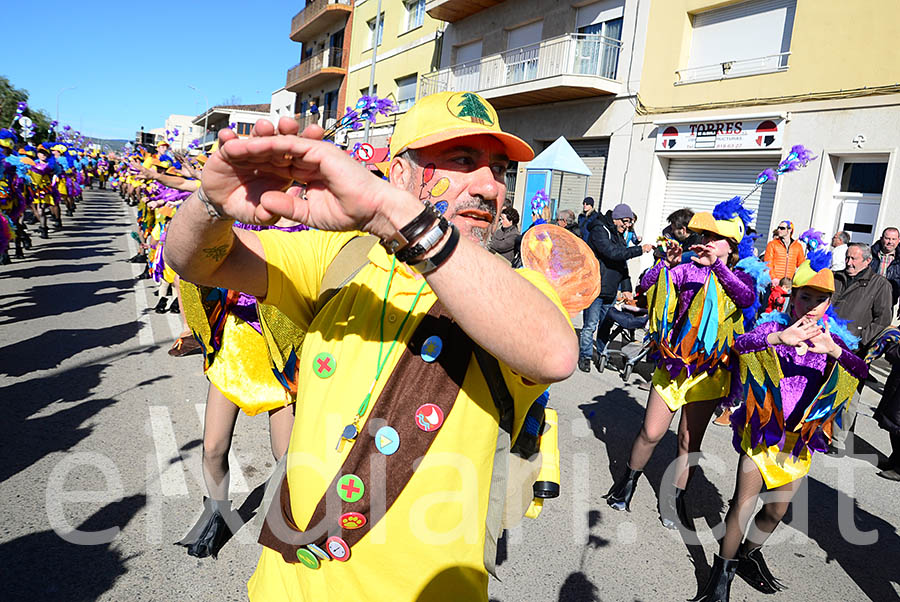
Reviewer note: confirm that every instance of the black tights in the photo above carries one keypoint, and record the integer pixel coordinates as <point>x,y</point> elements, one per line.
<point>895,450</point>
<point>747,486</point>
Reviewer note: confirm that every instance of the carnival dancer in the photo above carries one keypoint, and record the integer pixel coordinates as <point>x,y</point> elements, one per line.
<point>12,198</point>
<point>102,171</point>
<point>798,374</point>
<point>696,309</point>
<point>41,175</point>
<point>228,329</point>
<point>65,185</point>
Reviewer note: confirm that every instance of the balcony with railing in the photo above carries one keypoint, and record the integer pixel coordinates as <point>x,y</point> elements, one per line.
<point>772,63</point>
<point>318,17</point>
<point>316,69</point>
<point>326,119</point>
<point>454,10</point>
<point>562,68</point>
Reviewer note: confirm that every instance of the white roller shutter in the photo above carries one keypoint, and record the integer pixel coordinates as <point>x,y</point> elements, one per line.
<point>593,152</point>
<point>700,184</point>
<point>746,30</point>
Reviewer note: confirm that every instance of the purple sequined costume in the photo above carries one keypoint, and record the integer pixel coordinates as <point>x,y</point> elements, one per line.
<point>803,376</point>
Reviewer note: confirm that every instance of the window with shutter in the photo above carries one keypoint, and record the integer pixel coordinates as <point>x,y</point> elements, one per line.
<point>747,38</point>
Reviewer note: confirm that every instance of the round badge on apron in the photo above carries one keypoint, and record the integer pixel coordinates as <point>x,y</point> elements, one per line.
<point>307,558</point>
<point>387,440</point>
<point>431,348</point>
<point>352,520</point>
<point>318,551</point>
<point>350,488</point>
<point>429,417</point>
<point>338,548</point>
<point>324,365</point>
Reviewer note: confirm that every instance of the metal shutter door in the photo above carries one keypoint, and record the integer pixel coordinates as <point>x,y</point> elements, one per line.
<point>593,153</point>
<point>700,184</point>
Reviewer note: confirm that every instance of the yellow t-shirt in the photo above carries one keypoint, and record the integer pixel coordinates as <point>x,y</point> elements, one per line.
<point>430,544</point>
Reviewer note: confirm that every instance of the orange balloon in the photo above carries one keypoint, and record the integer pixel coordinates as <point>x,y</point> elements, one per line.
<point>567,261</point>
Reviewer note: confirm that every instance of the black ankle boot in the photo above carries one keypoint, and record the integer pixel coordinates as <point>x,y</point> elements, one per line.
<point>673,511</point>
<point>45,232</point>
<point>619,496</point>
<point>211,531</point>
<point>161,305</point>
<point>752,568</point>
<point>718,586</point>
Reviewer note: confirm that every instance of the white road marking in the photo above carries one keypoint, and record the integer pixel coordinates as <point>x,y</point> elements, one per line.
<point>237,483</point>
<point>174,322</point>
<point>145,334</point>
<point>171,473</point>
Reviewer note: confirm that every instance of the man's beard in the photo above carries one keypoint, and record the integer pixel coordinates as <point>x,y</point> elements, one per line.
<point>482,235</point>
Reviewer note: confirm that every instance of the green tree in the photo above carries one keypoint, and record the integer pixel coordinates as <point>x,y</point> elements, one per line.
<point>472,107</point>
<point>10,97</point>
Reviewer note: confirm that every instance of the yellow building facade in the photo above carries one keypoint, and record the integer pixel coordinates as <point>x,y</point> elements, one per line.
<point>407,49</point>
<point>728,88</point>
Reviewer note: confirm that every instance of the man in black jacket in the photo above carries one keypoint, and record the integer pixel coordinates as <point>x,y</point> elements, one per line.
<point>608,243</point>
<point>886,260</point>
<point>862,296</point>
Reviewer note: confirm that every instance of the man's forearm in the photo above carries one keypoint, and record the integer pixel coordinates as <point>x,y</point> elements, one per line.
<point>504,313</point>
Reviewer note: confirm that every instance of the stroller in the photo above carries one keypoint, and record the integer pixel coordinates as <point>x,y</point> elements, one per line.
<point>619,327</point>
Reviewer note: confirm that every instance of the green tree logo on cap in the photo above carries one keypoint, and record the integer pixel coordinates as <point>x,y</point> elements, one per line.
<point>472,107</point>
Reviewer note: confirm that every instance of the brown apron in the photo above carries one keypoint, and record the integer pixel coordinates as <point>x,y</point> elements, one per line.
<point>412,383</point>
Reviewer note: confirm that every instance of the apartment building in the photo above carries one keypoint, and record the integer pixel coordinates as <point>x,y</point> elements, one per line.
<point>404,44</point>
<point>240,118</point>
<point>551,68</point>
<point>315,88</point>
<point>729,88</point>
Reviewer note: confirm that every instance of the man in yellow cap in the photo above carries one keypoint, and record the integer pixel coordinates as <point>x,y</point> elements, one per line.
<point>391,460</point>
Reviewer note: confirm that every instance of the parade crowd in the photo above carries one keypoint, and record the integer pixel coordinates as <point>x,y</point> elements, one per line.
<point>360,313</point>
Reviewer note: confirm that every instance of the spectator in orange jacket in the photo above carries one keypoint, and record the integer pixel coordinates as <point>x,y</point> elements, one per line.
<point>783,254</point>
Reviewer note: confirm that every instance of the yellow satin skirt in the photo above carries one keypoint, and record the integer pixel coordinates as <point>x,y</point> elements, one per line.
<point>242,372</point>
<point>778,467</point>
<point>686,389</point>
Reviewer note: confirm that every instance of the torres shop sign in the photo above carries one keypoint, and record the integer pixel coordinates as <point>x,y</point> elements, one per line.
<point>732,134</point>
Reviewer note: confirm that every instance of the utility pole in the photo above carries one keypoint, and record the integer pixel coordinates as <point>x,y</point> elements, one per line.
<point>375,37</point>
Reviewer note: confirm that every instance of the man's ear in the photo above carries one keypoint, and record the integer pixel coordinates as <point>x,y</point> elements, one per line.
<point>401,173</point>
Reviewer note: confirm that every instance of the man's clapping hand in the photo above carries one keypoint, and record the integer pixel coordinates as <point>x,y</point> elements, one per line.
<point>252,180</point>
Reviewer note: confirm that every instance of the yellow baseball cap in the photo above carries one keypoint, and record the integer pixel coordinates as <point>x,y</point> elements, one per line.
<point>449,115</point>
<point>727,228</point>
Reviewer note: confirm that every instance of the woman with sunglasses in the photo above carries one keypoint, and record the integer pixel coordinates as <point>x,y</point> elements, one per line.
<point>696,309</point>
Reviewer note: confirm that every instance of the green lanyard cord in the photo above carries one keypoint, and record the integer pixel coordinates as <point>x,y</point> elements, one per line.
<point>382,362</point>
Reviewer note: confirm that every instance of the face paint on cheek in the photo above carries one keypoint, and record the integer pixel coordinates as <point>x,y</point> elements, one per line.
<point>428,173</point>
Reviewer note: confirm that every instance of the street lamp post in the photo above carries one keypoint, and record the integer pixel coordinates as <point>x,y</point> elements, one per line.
<point>205,115</point>
<point>58,94</point>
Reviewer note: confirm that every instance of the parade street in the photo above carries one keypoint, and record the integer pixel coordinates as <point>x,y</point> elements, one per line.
<point>101,443</point>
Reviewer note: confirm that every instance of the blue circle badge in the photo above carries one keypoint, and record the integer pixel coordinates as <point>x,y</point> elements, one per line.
<point>431,348</point>
<point>387,440</point>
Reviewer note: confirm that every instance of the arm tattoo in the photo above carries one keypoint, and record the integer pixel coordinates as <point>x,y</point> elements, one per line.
<point>216,253</point>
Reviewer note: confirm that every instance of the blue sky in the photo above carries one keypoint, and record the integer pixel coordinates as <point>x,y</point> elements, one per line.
<point>131,62</point>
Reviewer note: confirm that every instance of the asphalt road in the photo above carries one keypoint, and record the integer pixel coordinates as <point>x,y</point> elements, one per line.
<point>100,469</point>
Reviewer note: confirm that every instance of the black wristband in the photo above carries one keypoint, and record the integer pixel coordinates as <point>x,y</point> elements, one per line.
<point>435,261</point>
<point>413,230</point>
<point>422,246</point>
